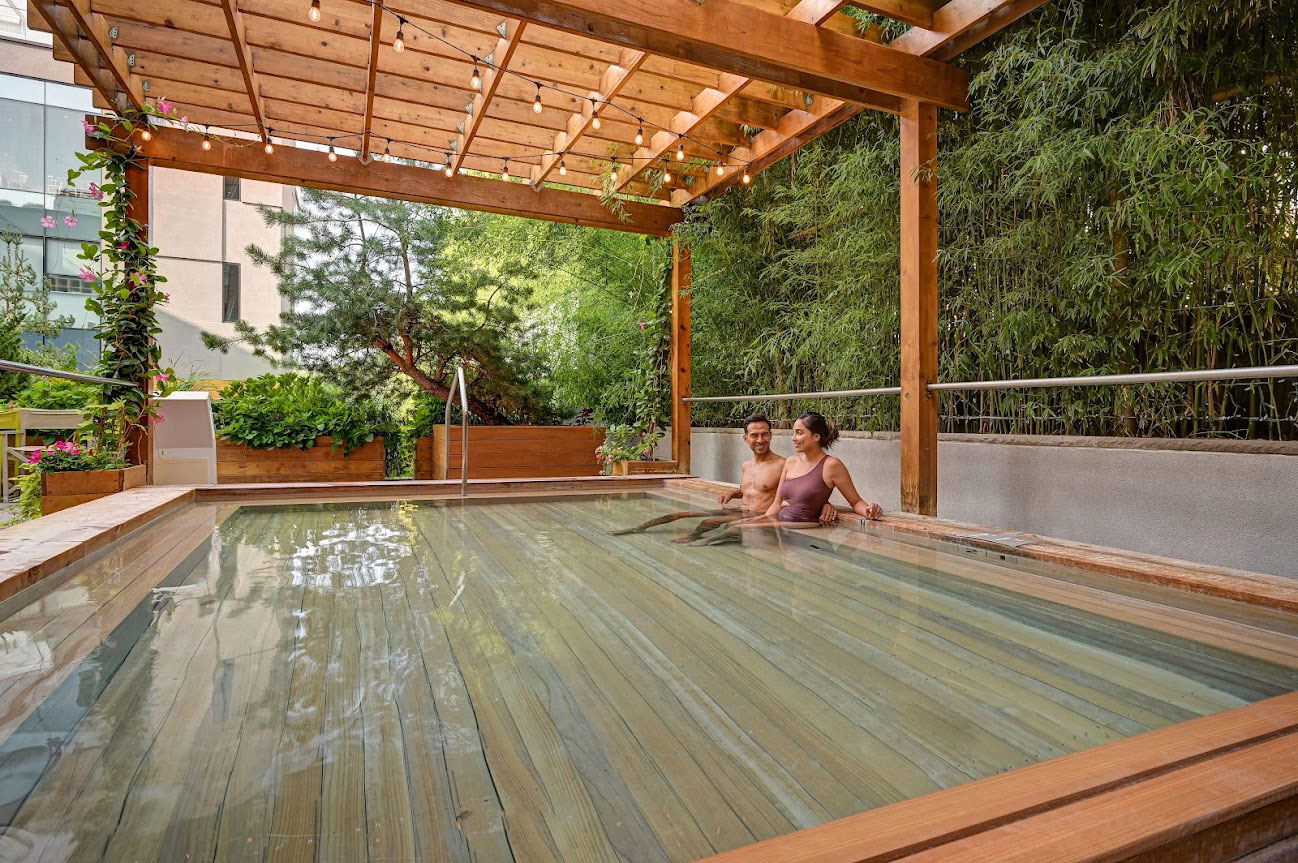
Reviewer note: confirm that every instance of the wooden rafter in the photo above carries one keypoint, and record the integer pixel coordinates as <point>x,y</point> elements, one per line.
<point>512,31</point>
<point>730,36</point>
<point>85,36</point>
<point>239,39</point>
<point>614,79</point>
<point>707,103</point>
<point>966,21</point>
<point>174,148</point>
<point>376,31</point>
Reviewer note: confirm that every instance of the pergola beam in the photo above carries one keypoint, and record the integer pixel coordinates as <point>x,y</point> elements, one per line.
<point>965,23</point>
<point>614,79</point>
<point>504,51</point>
<point>711,100</point>
<point>173,148</point>
<point>240,41</point>
<point>371,73</point>
<point>733,37</point>
<point>84,35</point>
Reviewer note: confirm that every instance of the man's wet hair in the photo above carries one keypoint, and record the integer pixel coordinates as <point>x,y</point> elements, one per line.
<point>755,418</point>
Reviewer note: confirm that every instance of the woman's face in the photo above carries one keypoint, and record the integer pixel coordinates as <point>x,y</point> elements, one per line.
<point>803,439</point>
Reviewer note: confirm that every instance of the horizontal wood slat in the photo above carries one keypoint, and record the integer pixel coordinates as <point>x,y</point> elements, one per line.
<point>238,463</point>
<point>498,452</point>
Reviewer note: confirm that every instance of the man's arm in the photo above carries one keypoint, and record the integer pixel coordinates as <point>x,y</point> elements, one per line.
<point>732,494</point>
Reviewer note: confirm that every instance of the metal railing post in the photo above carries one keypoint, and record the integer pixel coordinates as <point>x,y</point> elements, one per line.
<point>464,432</point>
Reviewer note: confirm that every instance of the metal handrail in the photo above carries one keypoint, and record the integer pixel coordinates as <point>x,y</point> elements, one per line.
<point>464,433</point>
<point>10,366</point>
<point>1036,383</point>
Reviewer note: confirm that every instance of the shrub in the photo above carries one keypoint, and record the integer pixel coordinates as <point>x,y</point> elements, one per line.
<point>626,443</point>
<point>292,410</point>
<point>60,456</point>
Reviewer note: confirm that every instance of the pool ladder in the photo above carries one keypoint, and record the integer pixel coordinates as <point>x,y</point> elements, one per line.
<point>464,433</point>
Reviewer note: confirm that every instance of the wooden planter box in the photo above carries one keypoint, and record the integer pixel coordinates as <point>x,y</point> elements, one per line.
<point>239,463</point>
<point>67,488</point>
<point>502,452</point>
<point>635,468</point>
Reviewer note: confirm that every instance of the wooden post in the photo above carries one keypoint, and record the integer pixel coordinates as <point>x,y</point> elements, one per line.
<point>918,307</point>
<point>680,356</point>
<point>139,445</point>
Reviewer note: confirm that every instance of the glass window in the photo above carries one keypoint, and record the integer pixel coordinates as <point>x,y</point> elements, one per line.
<point>63,257</point>
<point>64,137</point>
<point>21,150</point>
<point>33,249</point>
<point>230,294</point>
<point>22,89</point>
<point>66,96</point>
<point>232,190</point>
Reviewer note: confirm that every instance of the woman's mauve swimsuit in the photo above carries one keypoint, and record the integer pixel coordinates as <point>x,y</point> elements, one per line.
<point>806,495</point>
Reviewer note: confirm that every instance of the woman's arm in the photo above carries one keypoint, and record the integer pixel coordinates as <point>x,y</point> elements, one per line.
<point>839,478</point>
<point>774,509</point>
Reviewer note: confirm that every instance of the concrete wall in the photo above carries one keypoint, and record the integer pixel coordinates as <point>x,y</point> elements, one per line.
<point>1229,508</point>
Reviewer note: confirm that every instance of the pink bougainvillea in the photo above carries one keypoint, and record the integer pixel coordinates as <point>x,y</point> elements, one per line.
<point>47,221</point>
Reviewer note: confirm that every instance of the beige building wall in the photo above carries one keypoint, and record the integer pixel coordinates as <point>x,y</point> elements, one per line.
<point>197,232</point>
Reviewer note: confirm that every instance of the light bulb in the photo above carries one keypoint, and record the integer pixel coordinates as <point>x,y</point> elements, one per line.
<point>504,175</point>
<point>450,170</point>
<point>680,152</point>
<point>476,80</point>
<point>536,104</point>
<point>721,169</point>
<point>314,12</point>
<point>594,119</point>
<point>333,157</point>
<point>613,175</point>
<point>639,136</point>
<point>563,169</point>
<point>269,148</point>
<point>146,134</point>
<point>746,179</point>
<point>667,177</point>
<point>399,43</point>
<point>207,142</point>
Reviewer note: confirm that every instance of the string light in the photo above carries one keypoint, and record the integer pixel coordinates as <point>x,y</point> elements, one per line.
<point>387,151</point>
<point>613,174</point>
<point>476,79</point>
<point>721,169</point>
<point>667,176</point>
<point>207,139</point>
<point>314,12</point>
<point>680,148</point>
<point>504,175</point>
<point>333,157</point>
<point>746,179</point>
<point>399,43</point>
<point>563,169</point>
<point>639,135</point>
<point>594,114</point>
<point>536,105</point>
<point>450,166</point>
<point>146,134</point>
<point>269,148</point>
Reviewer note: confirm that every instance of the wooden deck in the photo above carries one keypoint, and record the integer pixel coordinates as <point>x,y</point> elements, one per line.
<point>432,682</point>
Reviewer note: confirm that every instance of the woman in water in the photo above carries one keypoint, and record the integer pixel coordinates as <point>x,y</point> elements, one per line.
<point>807,481</point>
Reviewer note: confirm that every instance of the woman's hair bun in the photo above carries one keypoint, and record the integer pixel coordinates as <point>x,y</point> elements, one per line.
<point>821,427</point>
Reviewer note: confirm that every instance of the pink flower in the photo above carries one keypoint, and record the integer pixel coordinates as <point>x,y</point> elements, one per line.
<point>164,377</point>
<point>122,246</point>
<point>646,453</point>
<point>160,419</point>
<point>164,106</point>
<point>35,457</point>
<point>166,298</point>
<point>140,278</point>
<point>70,221</point>
<point>87,275</point>
<point>96,192</point>
<point>88,126</point>
<point>641,324</point>
<point>47,221</point>
<point>184,120</point>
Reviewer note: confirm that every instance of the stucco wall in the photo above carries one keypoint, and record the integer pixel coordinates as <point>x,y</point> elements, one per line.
<point>1233,508</point>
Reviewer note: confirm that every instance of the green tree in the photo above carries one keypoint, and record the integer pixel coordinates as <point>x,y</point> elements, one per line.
<point>25,307</point>
<point>374,293</point>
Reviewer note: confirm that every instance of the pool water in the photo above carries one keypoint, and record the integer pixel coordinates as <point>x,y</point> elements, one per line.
<point>423,681</point>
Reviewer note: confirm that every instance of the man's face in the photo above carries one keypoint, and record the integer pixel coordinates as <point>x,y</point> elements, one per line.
<point>758,438</point>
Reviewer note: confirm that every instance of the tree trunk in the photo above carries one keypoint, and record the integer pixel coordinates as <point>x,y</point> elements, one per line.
<point>477,408</point>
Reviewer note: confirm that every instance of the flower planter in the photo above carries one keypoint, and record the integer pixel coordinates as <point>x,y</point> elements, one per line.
<point>67,488</point>
<point>240,463</point>
<point>501,452</point>
<point>635,468</point>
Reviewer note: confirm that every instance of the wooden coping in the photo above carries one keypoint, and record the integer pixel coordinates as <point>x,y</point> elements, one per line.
<point>1270,591</point>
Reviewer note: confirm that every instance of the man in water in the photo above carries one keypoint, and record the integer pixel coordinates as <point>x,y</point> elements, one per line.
<point>756,492</point>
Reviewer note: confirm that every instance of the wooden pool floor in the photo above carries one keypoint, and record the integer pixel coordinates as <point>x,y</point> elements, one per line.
<point>508,682</point>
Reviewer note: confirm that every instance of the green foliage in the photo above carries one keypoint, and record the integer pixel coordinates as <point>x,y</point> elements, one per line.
<point>25,307</point>
<point>58,457</point>
<point>1119,198</point>
<point>55,394</point>
<point>429,411</point>
<point>626,443</point>
<point>380,289</point>
<point>291,410</point>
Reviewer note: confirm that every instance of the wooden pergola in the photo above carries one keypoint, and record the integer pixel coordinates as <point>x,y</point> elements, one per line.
<point>658,104</point>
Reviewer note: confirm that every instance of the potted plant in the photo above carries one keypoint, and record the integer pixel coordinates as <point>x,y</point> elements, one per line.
<point>296,428</point>
<point>92,465</point>
<point>627,451</point>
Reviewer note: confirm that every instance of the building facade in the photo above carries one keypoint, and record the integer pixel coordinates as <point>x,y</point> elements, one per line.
<point>202,223</point>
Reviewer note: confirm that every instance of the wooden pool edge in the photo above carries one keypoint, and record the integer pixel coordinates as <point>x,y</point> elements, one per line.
<point>1253,588</point>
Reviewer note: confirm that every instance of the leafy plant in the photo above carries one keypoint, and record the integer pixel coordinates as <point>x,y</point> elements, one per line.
<point>292,410</point>
<point>55,394</point>
<point>25,307</point>
<point>626,443</point>
<point>58,457</point>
